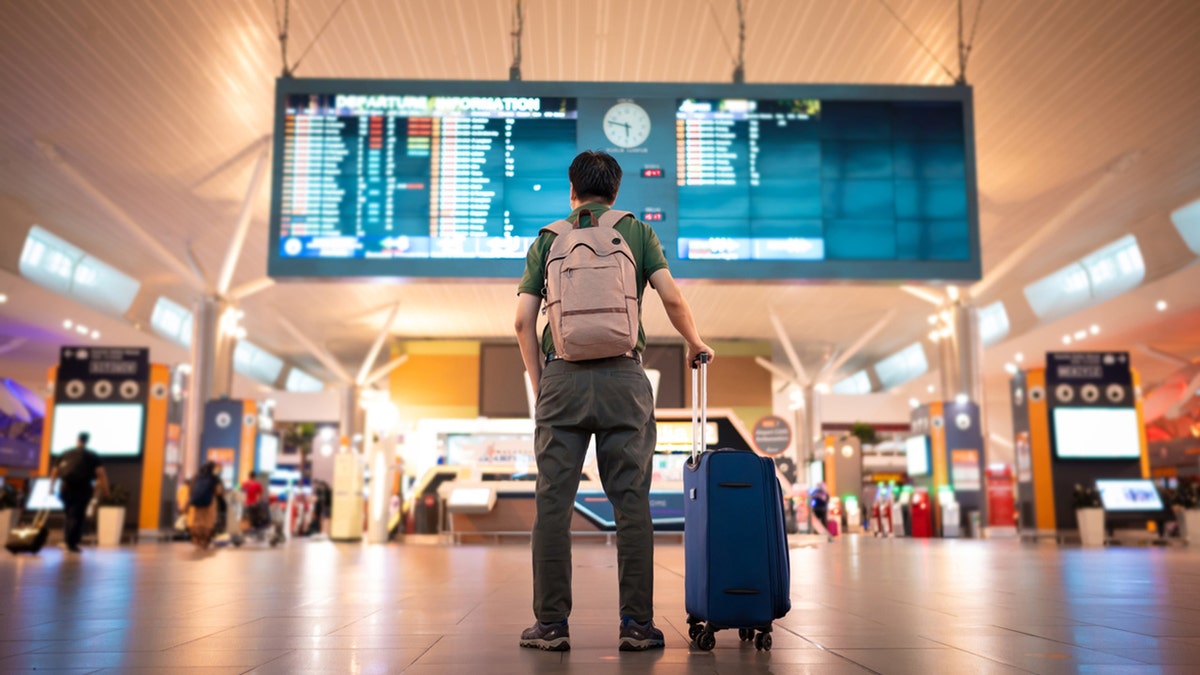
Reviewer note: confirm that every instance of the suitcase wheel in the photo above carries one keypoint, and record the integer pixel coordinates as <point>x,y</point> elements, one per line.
<point>745,634</point>
<point>706,640</point>
<point>762,642</point>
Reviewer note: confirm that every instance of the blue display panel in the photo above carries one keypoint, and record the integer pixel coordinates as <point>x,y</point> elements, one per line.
<point>454,179</point>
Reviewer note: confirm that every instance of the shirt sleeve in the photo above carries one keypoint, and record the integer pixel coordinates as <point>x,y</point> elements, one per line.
<point>534,278</point>
<point>653,258</point>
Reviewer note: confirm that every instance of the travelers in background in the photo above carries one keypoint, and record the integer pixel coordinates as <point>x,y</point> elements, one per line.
<point>77,468</point>
<point>203,492</point>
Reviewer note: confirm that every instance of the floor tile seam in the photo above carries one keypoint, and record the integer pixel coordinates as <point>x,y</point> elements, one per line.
<point>985,657</point>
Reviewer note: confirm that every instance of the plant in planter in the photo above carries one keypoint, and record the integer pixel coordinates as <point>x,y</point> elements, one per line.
<point>110,516</point>
<point>1089,514</point>
<point>865,433</point>
<point>1187,511</point>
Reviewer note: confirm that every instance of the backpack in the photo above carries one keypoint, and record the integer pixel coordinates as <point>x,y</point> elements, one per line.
<point>204,488</point>
<point>591,290</point>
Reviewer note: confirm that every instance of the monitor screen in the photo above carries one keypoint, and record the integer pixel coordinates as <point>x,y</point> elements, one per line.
<point>1097,433</point>
<point>268,452</point>
<point>42,496</point>
<point>1132,494</point>
<point>426,179</point>
<point>917,450</point>
<point>115,428</point>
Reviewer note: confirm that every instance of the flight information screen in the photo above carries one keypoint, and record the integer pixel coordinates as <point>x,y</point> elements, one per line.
<point>421,176</point>
<point>445,179</point>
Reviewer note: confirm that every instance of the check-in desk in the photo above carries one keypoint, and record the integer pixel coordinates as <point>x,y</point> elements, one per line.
<point>495,509</point>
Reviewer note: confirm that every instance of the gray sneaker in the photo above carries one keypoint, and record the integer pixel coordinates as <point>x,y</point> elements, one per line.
<point>636,637</point>
<point>552,637</point>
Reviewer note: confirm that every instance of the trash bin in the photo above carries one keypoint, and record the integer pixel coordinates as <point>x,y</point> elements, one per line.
<point>974,526</point>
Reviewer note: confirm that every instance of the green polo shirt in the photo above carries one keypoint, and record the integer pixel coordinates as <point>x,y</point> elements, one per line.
<point>643,243</point>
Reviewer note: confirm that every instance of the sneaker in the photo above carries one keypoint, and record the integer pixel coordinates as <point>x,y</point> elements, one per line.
<point>552,637</point>
<point>636,637</point>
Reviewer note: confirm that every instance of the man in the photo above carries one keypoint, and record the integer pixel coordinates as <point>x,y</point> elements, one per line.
<point>77,468</point>
<point>610,398</point>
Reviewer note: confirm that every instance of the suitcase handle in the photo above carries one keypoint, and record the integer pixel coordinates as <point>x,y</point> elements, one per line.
<point>699,405</point>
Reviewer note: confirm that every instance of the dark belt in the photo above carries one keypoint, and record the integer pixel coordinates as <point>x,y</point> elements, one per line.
<point>635,355</point>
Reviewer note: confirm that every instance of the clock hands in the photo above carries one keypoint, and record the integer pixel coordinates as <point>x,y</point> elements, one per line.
<point>621,124</point>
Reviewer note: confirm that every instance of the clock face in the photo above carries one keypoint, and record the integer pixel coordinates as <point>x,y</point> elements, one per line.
<point>627,125</point>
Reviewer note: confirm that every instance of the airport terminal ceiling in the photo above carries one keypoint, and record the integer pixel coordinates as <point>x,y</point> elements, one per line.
<point>1084,112</point>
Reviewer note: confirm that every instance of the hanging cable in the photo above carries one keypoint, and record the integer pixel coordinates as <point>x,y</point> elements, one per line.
<point>729,48</point>
<point>739,70</point>
<point>318,35</point>
<point>281,26</point>
<point>964,48</point>
<point>514,71</point>
<point>919,41</point>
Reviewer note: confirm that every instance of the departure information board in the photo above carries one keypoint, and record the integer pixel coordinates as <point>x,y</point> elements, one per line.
<point>753,182</point>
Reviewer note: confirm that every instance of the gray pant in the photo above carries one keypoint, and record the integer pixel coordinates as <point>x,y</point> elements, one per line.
<point>610,398</point>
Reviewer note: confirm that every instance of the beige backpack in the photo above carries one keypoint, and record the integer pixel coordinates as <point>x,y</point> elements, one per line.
<point>591,290</point>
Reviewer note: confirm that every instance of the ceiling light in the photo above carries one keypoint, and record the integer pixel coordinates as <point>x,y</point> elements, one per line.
<point>81,329</point>
<point>3,298</point>
<point>961,399</point>
<point>1010,368</point>
<point>947,331</point>
<point>934,335</point>
<point>1161,305</point>
<point>945,314</point>
<point>68,323</point>
<point>914,403</point>
<point>952,291</point>
<point>95,335</point>
<point>822,388</point>
<point>1080,334</point>
<point>933,319</point>
<point>1018,357</point>
<point>929,389</point>
<point>1066,339</point>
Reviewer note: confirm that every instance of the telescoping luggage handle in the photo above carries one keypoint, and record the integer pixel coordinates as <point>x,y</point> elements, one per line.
<point>699,405</point>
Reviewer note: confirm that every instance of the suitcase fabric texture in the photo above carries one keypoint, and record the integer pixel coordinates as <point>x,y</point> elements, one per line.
<point>31,538</point>
<point>737,571</point>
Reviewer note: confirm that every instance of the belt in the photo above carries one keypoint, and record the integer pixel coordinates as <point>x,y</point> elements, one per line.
<point>635,355</point>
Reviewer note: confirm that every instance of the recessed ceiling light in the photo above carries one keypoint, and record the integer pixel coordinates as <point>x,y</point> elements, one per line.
<point>961,399</point>
<point>1018,357</point>
<point>1161,305</point>
<point>81,329</point>
<point>934,335</point>
<point>1010,368</point>
<point>68,324</point>
<point>95,335</point>
<point>914,403</point>
<point>3,298</point>
<point>1080,334</point>
<point>933,319</point>
<point>929,389</point>
<point>1066,339</point>
<point>1095,329</point>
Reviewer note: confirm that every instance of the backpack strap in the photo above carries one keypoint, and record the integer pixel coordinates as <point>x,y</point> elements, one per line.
<point>611,217</point>
<point>558,228</point>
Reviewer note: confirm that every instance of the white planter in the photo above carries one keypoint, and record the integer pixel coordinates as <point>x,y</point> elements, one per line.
<point>110,520</point>
<point>1191,526</point>
<point>1091,526</point>
<point>6,522</point>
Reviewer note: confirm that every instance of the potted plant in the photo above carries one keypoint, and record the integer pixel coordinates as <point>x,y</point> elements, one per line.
<point>1089,515</point>
<point>1187,512</point>
<point>8,509</point>
<point>110,516</point>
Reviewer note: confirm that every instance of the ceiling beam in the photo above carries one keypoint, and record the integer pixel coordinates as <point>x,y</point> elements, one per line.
<point>862,340</point>
<point>243,291</point>
<point>243,220</point>
<point>327,360</point>
<point>383,370</point>
<point>123,219</point>
<point>928,296</point>
<point>373,354</point>
<point>777,371</point>
<point>790,351</point>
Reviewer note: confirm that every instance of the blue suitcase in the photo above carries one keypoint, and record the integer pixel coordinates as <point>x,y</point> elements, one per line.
<point>735,546</point>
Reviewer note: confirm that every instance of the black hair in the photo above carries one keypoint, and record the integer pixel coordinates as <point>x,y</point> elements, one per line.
<point>85,437</point>
<point>595,175</point>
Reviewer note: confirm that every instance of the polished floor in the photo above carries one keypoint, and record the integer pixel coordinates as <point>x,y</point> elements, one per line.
<point>860,605</point>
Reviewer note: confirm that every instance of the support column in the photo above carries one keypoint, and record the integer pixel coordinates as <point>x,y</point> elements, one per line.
<point>960,354</point>
<point>211,372</point>
<point>348,422</point>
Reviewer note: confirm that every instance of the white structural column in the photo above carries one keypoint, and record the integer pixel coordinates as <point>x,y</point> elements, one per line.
<point>211,371</point>
<point>961,353</point>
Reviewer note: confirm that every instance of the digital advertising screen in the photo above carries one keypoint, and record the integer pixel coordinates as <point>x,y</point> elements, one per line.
<point>1129,494</point>
<point>115,429</point>
<point>429,179</point>
<point>1097,433</point>
<point>268,452</point>
<point>43,496</point>
<point>916,448</point>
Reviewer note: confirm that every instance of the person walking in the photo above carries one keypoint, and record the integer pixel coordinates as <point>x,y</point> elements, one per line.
<point>608,397</point>
<point>203,492</point>
<point>76,469</point>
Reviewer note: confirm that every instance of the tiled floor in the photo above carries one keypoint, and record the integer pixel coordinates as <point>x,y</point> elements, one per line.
<point>859,605</point>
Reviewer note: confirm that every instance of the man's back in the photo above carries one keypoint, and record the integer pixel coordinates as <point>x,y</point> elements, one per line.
<point>76,468</point>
